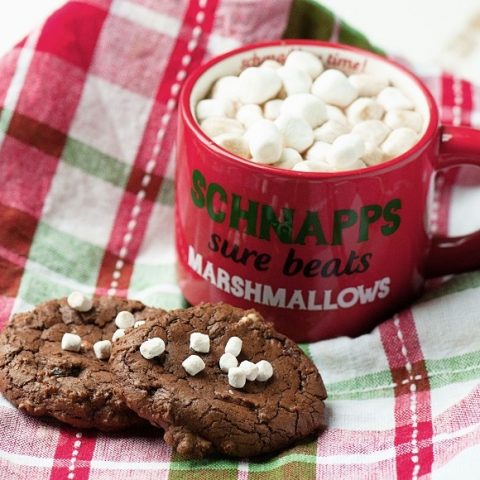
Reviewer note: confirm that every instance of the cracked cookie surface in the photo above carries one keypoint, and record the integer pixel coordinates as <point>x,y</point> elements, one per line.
<point>40,378</point>
<point>203,414</point>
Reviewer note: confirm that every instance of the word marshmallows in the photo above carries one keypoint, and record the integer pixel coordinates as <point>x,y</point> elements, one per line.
<point>154,347</point>
<point>298,116</point>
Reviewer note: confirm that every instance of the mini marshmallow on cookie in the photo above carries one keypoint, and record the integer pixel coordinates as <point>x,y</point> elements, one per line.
<point>276,114</point>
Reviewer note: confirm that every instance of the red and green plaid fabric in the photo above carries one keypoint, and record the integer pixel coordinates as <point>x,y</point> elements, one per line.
<point>87,128</point>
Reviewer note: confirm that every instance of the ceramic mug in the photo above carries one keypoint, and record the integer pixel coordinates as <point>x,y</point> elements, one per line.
<point>319,254</point>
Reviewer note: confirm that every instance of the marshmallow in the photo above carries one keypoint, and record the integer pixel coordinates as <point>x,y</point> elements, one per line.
<point>234,143</point>
<point>200,342</point>
<point>295,80</point>
<point>71,342</point>
<point>306,61</point>
<point>364,109</point>
<point>139,323</point>
<point>318,152</point>
<point>151,348</point>
<point>120,332</point>
<point>333,87</point>
<point>78,301</point>
<point>392,98</point>
<point>214,107</point>
<point>249,113</point>
<point>124,319</point>
<point>265,142</point>
<point>404,118</point>
<point>234,346</point>
<point>227,361</point>
<point>373,131</point>
<point>250,369</point>
<point>102,349</point>
<point>237,377</point>
<point>399,141</point>
<point>329,131</point>
<point>288,159</point>
<point>368,85</point>
<point>307,106</point>
<point>373,155</point>
<point>313,166</point>
<point>273,64</point>
<point>346,151</point>
<point>296,132</point>
<point>193,365</point>
<point>272,109</point>
<point>337,115</point>
<point>226,88</point>
<point>257,85</point>
<point>265,370</point>
<point>213,126</point>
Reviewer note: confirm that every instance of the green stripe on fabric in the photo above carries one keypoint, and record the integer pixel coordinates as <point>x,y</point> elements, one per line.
<point>305,348</point>
<point>165,300</point>
<point>147,276</point>
<point>459,283</point>
<point>309,19</point>
<point>66,255</point>
<point>145,282</point>
<point>166,195</point>
<point>373,385</point>
<point>453,370</point>
<point>5,116</point>
<point>95,163</point>
<point>296,462</point>
<point>200,466</point>
<point>36,288</point>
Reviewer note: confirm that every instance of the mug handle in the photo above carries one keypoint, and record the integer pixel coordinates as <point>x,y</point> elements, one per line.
<point>458,146</point>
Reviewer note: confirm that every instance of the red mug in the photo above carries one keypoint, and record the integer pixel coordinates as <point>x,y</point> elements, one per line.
<point>319,254</point>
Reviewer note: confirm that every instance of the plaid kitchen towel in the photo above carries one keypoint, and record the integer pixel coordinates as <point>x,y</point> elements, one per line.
<point>87,126</point>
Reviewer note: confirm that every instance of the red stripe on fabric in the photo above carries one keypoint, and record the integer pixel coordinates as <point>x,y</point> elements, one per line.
<point>147,175</point>
<point>72,32</point>
<point>413,416</point>
<point>467,95</point>
<point>73,455</point>
<point>447,98</point>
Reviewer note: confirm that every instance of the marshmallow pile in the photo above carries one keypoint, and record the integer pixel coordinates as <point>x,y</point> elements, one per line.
<point>239,374</point>
<point>301,117</point>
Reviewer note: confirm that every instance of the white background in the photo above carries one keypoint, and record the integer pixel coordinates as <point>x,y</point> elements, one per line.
<point>417,29</point>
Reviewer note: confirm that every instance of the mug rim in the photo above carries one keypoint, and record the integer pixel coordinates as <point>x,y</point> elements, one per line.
<point>188,116</point>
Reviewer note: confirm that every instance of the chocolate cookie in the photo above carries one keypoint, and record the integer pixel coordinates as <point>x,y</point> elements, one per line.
<point>203,414</point>
<point>77,388</point>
